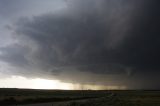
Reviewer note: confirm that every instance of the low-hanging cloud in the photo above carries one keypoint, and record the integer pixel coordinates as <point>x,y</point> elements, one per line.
<point>116,38</point>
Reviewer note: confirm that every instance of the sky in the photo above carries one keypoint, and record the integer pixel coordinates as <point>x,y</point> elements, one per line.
<point>80,44</point>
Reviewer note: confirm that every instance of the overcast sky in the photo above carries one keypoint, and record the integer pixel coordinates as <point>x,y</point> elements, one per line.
<point>114,43</point>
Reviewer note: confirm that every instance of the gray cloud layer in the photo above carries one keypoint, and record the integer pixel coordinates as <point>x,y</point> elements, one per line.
<point>114,39</point>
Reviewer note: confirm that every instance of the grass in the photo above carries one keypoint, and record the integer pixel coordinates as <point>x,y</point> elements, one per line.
<point>81,97</point>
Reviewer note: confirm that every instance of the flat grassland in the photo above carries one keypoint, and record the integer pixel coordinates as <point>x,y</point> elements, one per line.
<point>30,97</point>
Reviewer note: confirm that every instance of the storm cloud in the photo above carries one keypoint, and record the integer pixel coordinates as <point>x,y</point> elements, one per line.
<point>113,41</point>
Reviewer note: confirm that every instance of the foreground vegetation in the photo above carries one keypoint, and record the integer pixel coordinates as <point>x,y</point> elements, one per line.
<point>80,97</point>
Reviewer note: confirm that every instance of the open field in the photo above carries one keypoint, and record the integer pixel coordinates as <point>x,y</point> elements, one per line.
<point>28,97</point>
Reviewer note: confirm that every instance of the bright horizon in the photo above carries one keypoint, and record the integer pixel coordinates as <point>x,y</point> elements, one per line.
<point>38,83</point>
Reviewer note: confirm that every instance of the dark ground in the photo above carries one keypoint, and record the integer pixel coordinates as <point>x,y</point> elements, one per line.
<point>81,97</point>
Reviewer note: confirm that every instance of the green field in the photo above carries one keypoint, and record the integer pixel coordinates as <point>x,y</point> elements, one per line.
<point>80,97</point>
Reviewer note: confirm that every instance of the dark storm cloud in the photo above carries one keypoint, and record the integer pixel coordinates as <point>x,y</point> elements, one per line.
<point>63,42</point>
<point>113,37</point>
<point>15,55</point>
<point>141,50</point>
